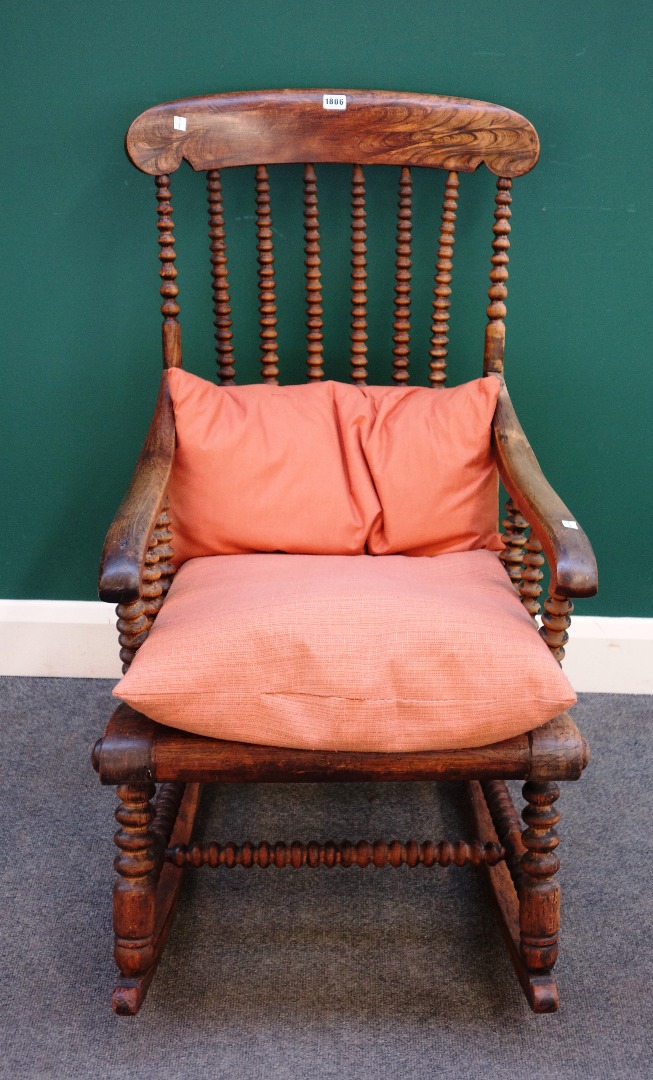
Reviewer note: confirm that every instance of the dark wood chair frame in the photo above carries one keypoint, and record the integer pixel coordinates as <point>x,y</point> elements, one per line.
<point>154,839</point>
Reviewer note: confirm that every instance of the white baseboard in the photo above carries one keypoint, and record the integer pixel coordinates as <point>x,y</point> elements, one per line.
<point>77,639</point>
<point>610,656</point>
<point>60,638</point>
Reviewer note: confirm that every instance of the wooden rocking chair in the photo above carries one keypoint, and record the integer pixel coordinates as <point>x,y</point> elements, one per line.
<point>362,128</point>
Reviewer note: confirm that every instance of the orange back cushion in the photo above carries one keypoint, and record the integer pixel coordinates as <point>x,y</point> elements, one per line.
<point>332,468</point>
<point>269,468</point>
<point>431,461</point>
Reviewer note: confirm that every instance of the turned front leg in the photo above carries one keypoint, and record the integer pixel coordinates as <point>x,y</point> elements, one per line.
<point>135,890</point>
<point>539,899</point>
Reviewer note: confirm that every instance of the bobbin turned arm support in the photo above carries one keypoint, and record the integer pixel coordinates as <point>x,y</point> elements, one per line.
<point>130,533</point>
<point>568,551</point>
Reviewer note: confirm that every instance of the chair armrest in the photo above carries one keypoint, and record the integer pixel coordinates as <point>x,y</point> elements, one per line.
<point>130,532</point>
<point>568,551</point>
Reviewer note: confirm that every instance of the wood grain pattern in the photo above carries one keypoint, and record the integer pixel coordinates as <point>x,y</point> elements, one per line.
<point>358,277</point>
<point>378,127</point>
<point>401,324</point>
<point>558,750</point>
<point>219,271</point>
<point>568,551</point>
<point>442,288</point>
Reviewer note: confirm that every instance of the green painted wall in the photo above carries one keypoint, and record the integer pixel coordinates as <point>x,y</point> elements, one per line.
<point>80,296</point>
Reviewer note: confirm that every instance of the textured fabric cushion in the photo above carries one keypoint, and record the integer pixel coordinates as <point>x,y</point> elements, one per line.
<point>269,468</point>
<point>347,653</point>
<point>429,455</point>
<point>332,468</point>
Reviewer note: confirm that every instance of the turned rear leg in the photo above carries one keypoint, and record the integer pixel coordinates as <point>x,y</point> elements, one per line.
<point>134,892</point>
<point>539,894</point>
<point>147,889</point>
<point>496,817</point>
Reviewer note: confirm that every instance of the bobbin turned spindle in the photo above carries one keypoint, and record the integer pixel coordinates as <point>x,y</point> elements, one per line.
<point>267,289</point>
<point>162,536</point>
<point>401,324</point>
<point>529,587</point>
<point>442,288</point>
<point>514,537</point>
<point>314,312</point>
<point>219,272</point>
<point>358,278</point>
<point>495,331</point>
<point>556,620</point>
<point>169,308</point>
<point>362,854</point>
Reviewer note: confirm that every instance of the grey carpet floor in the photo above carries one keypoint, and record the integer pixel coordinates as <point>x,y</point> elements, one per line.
<point>327,973</point>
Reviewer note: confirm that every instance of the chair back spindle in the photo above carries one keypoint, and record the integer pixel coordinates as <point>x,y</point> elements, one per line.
<point>556,620</point>
<point>266,285</point>
<point>169,290</point>
<point>442,288</point>
<point>367,128</point>
<point>530,589</point>
<point>163,537</point>
<point>152,588</point>
<point>221,302</point>
<point>401,324</point>
<point>514,536</point>
<point>313,276</point>
<point>358,277</point>
<point>495,331</point>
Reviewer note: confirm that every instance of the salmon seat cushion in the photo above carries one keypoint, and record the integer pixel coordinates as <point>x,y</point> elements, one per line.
<point>337,652</point>
<point>332,469</point>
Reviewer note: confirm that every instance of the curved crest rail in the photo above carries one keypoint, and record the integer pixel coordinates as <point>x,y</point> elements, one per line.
<point>377,127</point>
